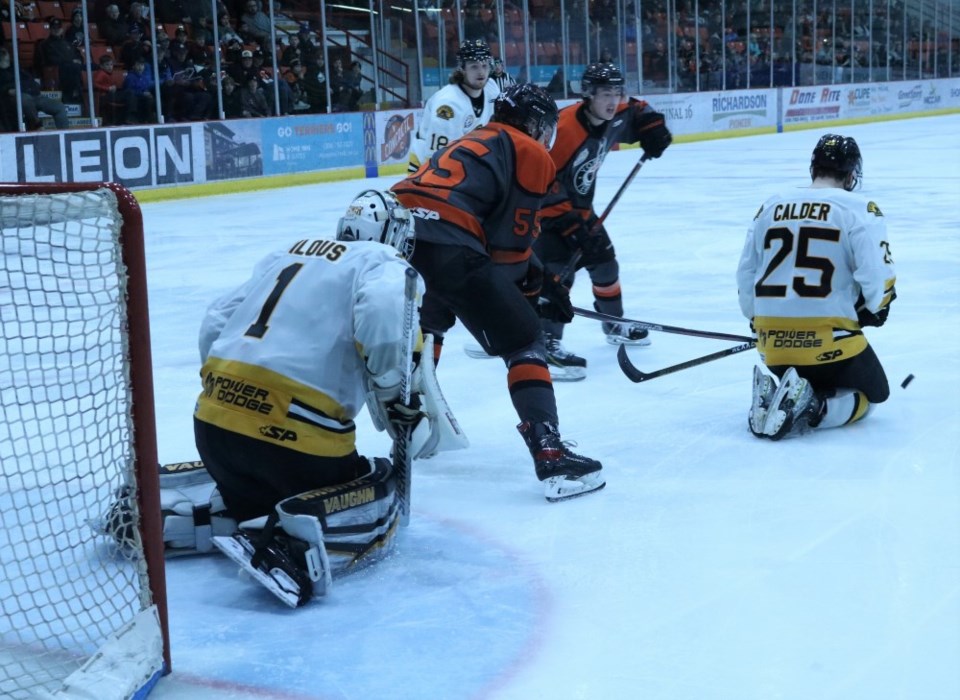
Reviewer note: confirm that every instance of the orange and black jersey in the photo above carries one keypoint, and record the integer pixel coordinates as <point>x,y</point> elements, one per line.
<point>483,190</point>
<point>580,149</point>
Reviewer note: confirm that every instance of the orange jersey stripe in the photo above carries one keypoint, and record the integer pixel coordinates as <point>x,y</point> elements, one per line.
<point>524,372</point>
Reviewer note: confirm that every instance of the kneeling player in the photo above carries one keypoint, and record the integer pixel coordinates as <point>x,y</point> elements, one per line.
<point>289,358</point>
<point>816,268</point>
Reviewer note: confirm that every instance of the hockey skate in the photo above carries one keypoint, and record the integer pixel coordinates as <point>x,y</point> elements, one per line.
<point>288,567</point>
<point>564,365</point>
<point>794,409</point>
<point>564,474</point>
<point>764,387</point>
<point>626,334</point>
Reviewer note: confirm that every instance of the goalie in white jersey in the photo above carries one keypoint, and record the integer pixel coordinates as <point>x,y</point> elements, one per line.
<point>289,359</point>
<point>815,269</point>
<point>458,108</point>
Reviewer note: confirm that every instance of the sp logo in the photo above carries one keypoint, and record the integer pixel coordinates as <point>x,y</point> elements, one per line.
<point>829,355</point>
<point>277,433</point>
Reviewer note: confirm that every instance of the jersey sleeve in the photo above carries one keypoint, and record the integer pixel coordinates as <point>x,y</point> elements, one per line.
<point>873,262</point>
<point>747,268</point>
<point>378,319</point>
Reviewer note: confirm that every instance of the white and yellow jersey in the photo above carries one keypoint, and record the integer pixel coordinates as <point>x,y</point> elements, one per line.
<point>285,354</point>
<point>808,257</point>
<point>448,115</point>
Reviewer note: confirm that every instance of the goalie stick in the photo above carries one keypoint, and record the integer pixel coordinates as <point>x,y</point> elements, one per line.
<point>635,375</point>
<point>401,444</point>
<point>586,313</point>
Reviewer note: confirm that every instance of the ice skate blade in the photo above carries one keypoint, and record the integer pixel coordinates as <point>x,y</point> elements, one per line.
<point>277,582</point>
<point>561,488</point>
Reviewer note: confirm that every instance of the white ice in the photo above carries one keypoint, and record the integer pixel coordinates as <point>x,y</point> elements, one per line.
<point>713,566</point>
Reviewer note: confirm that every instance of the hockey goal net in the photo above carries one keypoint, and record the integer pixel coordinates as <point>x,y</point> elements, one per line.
<point>82,616</point>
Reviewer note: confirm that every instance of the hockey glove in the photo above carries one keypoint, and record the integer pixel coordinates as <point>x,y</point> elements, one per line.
<point>531,285</point>
<point>865,317</point>
<point>558,308</point>
<point>570,227</point>
<point>597,248</point>
<point>655,137</point>
<point>405,415</point>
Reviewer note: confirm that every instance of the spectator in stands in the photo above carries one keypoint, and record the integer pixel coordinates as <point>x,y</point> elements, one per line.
<point>198,15</point>
<point>253,103</point>
<point>352,89</point>
<point>136,46</point>
<point>310,53</point>
<point>313,82</point>
<point>56,52</point>
<point>31,99</point>
<point>137,17</point>
<point>186,96</point>
<point>115,102</point>
<point>232,107</point>
<point>112,29</point>
<point>292,52</point>
<point>228,35</point>
<point>242,69</point>
<point>77,29</point>
<point>139,83</point>
<point>255,24</point>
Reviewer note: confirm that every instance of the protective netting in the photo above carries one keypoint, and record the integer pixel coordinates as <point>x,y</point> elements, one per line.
<point>66,438</point>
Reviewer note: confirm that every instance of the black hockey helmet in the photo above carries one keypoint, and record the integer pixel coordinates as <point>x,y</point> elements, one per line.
<point>839,157</point>
<point>527,107</point>
<point>599,75</point>
<point>474,50</point>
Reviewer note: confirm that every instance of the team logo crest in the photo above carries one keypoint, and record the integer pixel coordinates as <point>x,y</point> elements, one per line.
<point>445,112</point>
<point>872,208</point>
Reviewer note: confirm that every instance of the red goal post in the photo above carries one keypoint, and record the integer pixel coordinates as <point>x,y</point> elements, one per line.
<point>83,594</point>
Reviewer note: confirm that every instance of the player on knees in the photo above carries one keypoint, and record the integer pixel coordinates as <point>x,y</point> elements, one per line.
<point>289,359</point>
<point>585,134</point>
<point>476,204</point>
<point>816,268</point>
<point>458,108</point>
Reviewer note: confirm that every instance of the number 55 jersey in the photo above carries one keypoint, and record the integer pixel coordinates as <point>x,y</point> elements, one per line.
<point>810,258</point>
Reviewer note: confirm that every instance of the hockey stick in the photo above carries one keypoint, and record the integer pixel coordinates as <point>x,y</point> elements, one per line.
<point>571,267</point>
<point>661,328</point>
<point>401,443</point>
<point>635,375</point>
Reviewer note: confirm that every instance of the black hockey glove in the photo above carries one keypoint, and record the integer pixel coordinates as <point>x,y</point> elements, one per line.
<point>597,248</point>
<point>558,308</point>
<point>570,227</point>
<point>531,285</point>
<point>405,415</point>
<point>654,134</point>
<point>865,317</point>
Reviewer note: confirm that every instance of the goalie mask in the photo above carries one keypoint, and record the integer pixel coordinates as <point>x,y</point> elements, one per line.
<point>378,216</point>
<point>838,157</point>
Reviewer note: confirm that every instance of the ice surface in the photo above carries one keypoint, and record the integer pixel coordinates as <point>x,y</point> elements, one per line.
<point>713,566</point>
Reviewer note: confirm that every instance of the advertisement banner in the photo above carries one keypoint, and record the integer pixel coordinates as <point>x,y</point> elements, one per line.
<point>321,142</point>
<point>395,131</point>
<point>233,149</point>
<point>812,104</point>
<point>740,109</point>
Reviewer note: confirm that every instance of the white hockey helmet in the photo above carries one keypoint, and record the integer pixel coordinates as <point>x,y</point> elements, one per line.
<point>378,216</point>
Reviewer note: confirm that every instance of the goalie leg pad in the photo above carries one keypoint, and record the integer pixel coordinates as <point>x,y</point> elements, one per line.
<point>358,519</point>
<point>191,509</point>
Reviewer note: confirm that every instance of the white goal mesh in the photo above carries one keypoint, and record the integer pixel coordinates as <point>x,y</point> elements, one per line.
<point>76,422</point>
